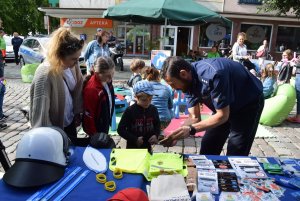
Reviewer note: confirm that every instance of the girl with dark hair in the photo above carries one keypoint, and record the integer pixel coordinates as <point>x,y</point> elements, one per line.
<point>162,99</point>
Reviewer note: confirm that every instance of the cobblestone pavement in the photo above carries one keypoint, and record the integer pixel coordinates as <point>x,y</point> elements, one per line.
<point>285,143</point>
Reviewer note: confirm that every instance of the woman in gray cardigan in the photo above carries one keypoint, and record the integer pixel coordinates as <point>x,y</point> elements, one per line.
<point>56,91</point>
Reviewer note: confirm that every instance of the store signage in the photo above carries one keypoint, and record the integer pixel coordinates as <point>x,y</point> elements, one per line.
<point>215,32</point>
<point>158,57</point>
<point>255,34</point>
<point>82,22</point>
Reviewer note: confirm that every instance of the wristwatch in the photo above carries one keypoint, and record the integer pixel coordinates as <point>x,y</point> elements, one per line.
<point>192,130</point>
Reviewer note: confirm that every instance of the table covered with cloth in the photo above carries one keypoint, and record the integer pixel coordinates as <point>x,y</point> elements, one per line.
<point>90,189</point>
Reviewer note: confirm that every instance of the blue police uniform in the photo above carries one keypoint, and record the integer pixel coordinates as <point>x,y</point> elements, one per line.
<point>221,82</point>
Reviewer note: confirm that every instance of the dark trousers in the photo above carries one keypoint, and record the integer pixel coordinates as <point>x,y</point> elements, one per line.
<point>240,128</point>
<point>72,134</point>
<point>16,52</point>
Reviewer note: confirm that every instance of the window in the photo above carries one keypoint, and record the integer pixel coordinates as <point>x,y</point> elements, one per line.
<point>256,34</point>
<point>288,38</point>
<point>214,34</point>
<point>28,43</point>
<point>254,2</point>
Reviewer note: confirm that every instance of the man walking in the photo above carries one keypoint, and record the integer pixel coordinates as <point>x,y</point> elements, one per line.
<point>2,45</point>
<point>16,41</point>
<point>229,90</point>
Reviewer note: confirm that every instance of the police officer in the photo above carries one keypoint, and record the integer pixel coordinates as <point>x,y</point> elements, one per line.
<point>229,90</point>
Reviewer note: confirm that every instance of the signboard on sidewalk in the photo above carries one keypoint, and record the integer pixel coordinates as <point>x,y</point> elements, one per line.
<point>86,22</point>
<point>158,57</point>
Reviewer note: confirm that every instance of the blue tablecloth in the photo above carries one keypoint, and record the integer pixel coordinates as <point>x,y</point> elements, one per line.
<point>90,190</point>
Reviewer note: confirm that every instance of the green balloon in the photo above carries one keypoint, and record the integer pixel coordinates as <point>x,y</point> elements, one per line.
<point>28,71</point>
<point>277,108</point>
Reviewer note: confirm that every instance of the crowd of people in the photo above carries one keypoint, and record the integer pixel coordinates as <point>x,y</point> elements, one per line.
<point>60,95</point>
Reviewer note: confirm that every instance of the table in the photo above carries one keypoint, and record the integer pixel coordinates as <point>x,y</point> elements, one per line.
<point>90,190</point>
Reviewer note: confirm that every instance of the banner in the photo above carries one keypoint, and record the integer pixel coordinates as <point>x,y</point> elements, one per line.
<point>89,23</point>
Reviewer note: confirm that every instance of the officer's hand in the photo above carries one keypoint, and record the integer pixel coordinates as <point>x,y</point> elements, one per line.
<point>180,133</point>
<point>139,141</point>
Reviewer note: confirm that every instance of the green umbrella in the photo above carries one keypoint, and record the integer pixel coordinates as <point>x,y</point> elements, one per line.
<point>186,12</point>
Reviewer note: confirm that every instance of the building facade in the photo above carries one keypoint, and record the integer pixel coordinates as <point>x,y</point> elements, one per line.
<point>84,16</point>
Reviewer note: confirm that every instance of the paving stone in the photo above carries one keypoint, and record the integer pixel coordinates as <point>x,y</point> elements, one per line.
<point>283,152</point>
<point>190,150</point>
<point>160,148</point>
<point>260,141</point>
<point>9,135</point>
<point>277,144</point>
<point>8,143</point>
<point>189,142</point>
<point>295,140</point>
<point>285,139</point>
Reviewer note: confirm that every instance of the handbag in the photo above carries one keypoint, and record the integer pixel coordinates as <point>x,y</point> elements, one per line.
<point>260,53</point>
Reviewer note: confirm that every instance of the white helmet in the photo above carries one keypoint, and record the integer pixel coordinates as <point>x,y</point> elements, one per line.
<point>41,157</point>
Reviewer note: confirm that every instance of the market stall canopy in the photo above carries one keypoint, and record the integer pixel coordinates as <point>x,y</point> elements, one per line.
<point>176,12</point>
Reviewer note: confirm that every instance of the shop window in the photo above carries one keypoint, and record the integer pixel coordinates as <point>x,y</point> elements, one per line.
<point>288,38</point>
<point>213,34</point>
<point>256,34</point>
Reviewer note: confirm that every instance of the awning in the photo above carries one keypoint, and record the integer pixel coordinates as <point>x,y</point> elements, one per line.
<point>72,12</point>
<point>185,12</point>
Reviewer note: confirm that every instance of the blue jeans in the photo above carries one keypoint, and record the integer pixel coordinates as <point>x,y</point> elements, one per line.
<point>2,92</point>
<point>297,87</point>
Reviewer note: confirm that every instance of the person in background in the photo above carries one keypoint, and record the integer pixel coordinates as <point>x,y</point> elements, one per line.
<point>99,97</point>
<point>136,67</point>
<point>239,53</point>
<point>268,78</point>
<point>163,99</point>
<point>262,53</point>
<point>234,95</point>
<point>213,53</point>
<point>2,46</point>
<point>96,48</point>
<point>56,90</point>
<point>16,42</point>
<point>98,33</point>
<point>3,117</point>
<point>295,63</point>
<point>284,68</point>
<point>112,40</point>
<point>140,124</point>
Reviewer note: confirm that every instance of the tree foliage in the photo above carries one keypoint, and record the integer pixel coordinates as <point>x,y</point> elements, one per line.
<point>281,7</point>
<point>23,16</point>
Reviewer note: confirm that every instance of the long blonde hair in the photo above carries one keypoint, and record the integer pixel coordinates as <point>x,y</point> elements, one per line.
<point>62,43</point>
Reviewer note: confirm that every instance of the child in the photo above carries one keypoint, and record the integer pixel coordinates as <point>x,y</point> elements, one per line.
<point>268,77</point>
<point>140,124</point>
<point>99,97</point>
<point>3,117</point>
<point>136,67</point>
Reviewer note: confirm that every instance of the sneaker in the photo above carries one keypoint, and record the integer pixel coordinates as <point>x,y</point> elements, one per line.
<point>293,119</point>
<point>3,126</point>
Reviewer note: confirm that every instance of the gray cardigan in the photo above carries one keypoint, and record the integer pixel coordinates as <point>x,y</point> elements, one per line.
<point>47,97</point>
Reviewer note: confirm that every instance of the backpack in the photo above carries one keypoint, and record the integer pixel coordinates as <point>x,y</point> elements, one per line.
<point>285,73</point>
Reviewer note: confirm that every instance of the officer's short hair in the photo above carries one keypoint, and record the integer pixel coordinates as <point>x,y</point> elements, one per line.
<point>172,67</point>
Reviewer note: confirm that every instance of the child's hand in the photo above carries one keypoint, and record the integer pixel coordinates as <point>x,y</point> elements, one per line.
<point>139,141</point>
<point>153,139</point>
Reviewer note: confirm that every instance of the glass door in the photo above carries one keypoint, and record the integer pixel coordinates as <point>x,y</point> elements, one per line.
<point>169,38</point>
